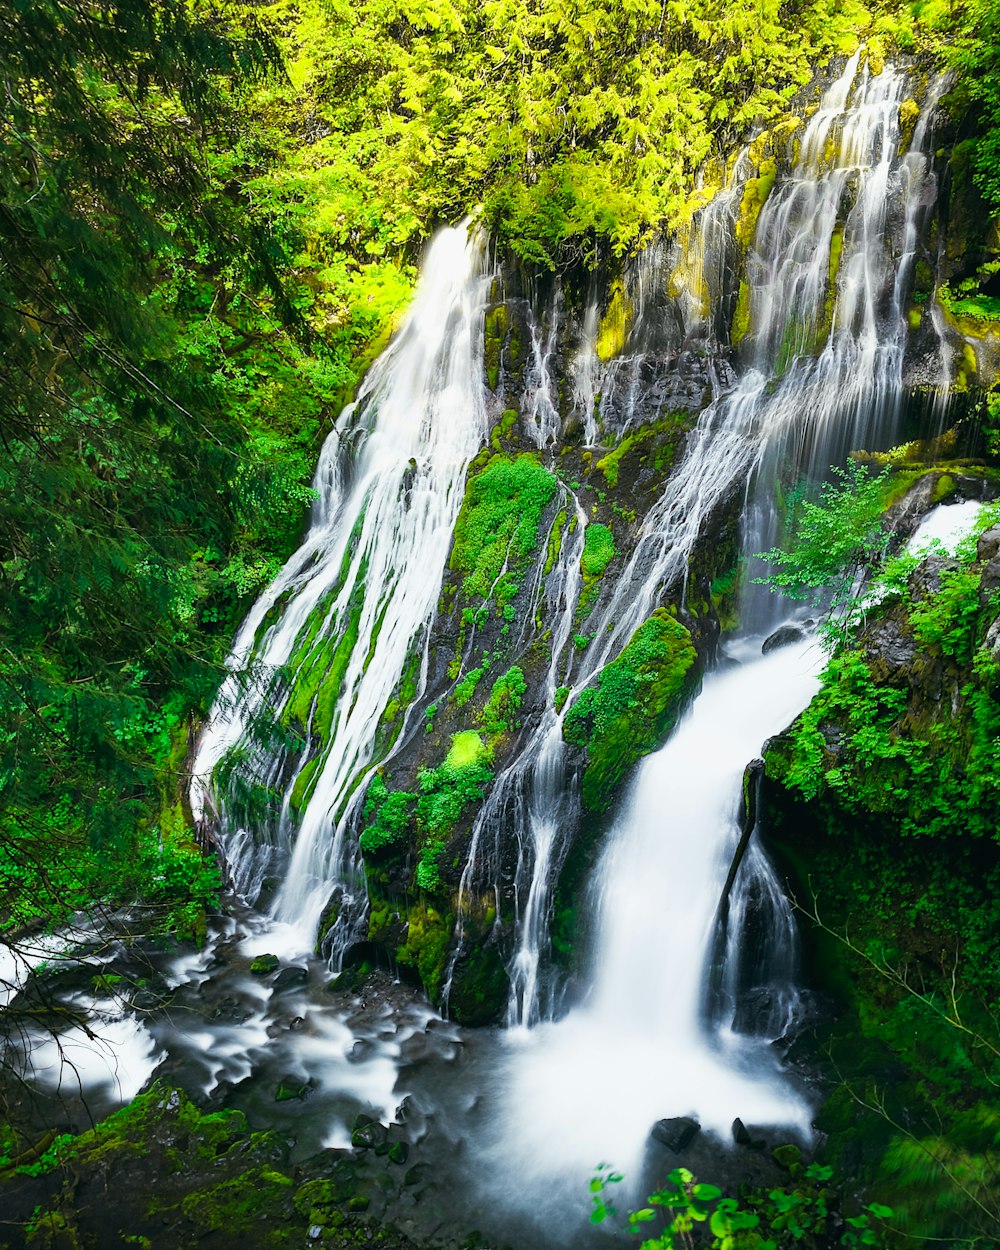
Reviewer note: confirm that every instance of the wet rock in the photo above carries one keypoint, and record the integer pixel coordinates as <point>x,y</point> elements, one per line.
<point>747,1137</point>
<point>676,1133</point>
<point>788,1156</point>
<point>369,1136</point>
<point>263,965</point>
<point>291,1087</point>
<point>399,1152</point>
<point>890,648</point>
<point>289,977</point>
<point>782,637</point>
<point>358,1203</point>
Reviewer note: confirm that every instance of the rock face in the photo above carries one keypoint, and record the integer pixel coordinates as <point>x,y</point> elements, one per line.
<point>676,1133</point>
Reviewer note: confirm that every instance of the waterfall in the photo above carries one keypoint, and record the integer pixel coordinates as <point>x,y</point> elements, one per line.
<point>345,626</point>
<point>826,281</point>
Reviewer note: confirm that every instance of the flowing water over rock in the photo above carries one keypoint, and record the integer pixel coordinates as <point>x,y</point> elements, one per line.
<point>684,991</point>
<point>358,599</point>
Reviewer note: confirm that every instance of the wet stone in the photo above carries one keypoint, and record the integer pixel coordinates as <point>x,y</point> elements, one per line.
<point>287,978</point>
<point>748,1137</point>
<point>291,1087</point>
<point>369,1137</point>
<point>263,965</point>
<point>676,1133</point>
<point>781,638</point>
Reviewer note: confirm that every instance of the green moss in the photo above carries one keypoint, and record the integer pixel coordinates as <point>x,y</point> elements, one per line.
<point>495,331</point>
<point>466,751</point>
<point>598,551</point>
<point>615,324</point>
<point>388,816</point>
<point>496,533</point>
<point>632,703</point>
<point>555,542</point>
<point>944,487</point>
<point>504,429</point>
<point>755,194</point>
<point>499,714</point>
<point>610,464</point>
<point>559,697</point>
<point>741,316</point>
<point>426,947</point>
<point>479,987</point>
<point>466,688</point>
<point>240,1205</point>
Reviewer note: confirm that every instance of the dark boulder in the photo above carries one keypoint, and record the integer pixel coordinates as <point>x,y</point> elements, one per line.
<point>782,637</point>
<point>748,1137</point>
<point>289,977</point>
<point>676,1133</point>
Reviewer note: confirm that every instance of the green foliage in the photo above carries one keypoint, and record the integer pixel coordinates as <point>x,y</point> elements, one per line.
<point>598,551</point>
<point>835,544</point>
<point>497,531</point>
<point>389,815</point>
<point>466,688</point>
<point>444,793</point>
<point>631,705</point>
<point>973,55</point>
<point>772,1219</point>
<point>447,790</point>
<point>428,875</point>
<point>499,714</point>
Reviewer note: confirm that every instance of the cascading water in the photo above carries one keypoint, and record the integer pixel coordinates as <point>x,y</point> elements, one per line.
<point>343,631</point>
<point>356,601</point>
<point>827,280</point>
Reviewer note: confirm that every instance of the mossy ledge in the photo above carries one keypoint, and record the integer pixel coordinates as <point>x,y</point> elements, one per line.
<point>631,705</point>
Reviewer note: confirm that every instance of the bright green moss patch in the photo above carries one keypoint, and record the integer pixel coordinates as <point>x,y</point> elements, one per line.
<point>598,551</point>
<point>497,529</point>
<point>631,705</point>
<point>615,324</point>
<point>388,814</point>
<point>447,790</point>
<point>467,749</point>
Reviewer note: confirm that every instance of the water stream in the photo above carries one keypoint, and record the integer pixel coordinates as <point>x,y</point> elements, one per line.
<point>820,368</point>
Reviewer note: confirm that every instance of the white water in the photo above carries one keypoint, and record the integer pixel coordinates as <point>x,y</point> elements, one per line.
<point>823,373</point>
<point>589,1086</point>
<point>389,484</point>
<point>792,410</point>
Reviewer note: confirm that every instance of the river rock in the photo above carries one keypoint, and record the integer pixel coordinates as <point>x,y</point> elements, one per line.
<point>369,1136</point>
<point>264,964</point>
<point>676,1133</point>
<point>289,977</point>
<point>782,637</point>
<point>291,1087</point>
<point>748,1137</point>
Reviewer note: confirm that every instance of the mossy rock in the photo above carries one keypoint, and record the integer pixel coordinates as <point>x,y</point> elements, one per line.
<point>264,965</point>
<point>631,705</point>
<point>479,987</point>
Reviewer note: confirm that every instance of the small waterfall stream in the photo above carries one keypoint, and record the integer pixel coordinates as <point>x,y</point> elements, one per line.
<point>360,594</point>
